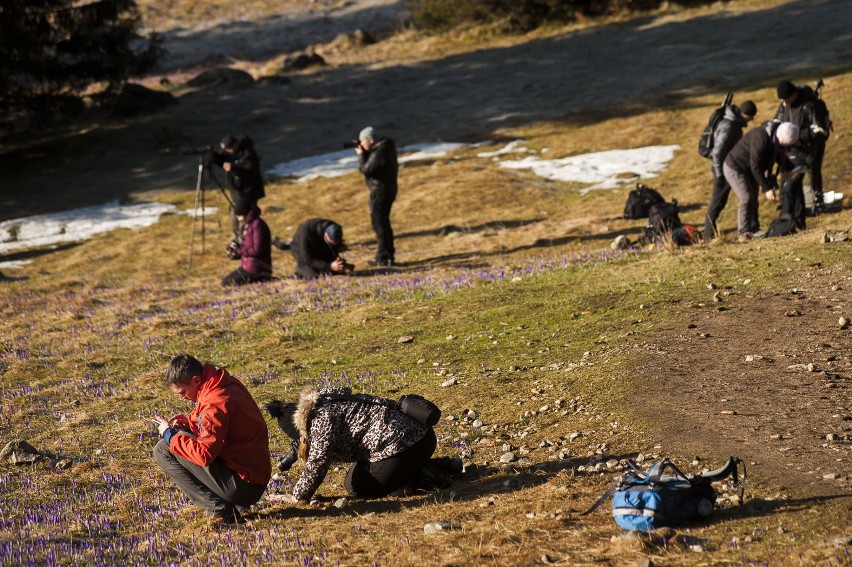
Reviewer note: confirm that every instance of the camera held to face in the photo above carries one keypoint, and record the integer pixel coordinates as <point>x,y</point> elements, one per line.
<point>351,144</point>
<point>285,462</point>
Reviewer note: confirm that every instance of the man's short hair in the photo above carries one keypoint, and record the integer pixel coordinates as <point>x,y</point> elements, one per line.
<point>368,133</point>
<point>182,369</point>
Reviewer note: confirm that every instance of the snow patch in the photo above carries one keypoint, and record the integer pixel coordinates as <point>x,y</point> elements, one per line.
<point>81,224</point>
<point>605,170</point>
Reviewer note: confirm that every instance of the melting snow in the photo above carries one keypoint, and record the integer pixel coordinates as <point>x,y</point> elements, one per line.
<point>80,224</point>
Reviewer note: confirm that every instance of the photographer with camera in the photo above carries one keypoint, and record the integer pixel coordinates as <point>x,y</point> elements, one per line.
<point>389,448</point>
<point>218,455</point>
<point>254,249</point>
<point>237,156</point>
<point>316,246</point>
<point>377,160</point>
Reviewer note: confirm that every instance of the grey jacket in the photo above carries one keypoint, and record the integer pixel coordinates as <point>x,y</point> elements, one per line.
<point>341,428</point>
<point>728,132</point>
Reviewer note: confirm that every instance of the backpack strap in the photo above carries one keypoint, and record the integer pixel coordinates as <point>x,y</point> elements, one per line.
<point>659,468</point>
<point>603,498</point>
<point>730,469</point>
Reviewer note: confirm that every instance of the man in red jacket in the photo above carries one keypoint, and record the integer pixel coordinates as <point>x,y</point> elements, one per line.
<point>219,455</point>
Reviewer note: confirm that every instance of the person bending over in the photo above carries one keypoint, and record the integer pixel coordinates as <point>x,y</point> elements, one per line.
<point>218,455</point>
<point>254,250</point>
<point>316,246</point>
<point>748,168</point>
<point>388,448</point>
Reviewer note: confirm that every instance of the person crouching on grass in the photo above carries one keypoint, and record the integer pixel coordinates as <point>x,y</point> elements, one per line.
<point>254,251</point>
<point>388,447</point>
<point>219,455</point>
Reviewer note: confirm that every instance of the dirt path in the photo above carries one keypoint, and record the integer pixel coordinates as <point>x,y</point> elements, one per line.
<point>780,362</point>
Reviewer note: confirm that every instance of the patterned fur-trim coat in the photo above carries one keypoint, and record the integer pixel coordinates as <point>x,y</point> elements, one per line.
<point>357,428</point>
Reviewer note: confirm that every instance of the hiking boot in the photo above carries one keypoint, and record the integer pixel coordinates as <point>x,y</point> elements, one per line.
<point>226,518</point>
<point>383,263</point>
<point>744,237</point>
<point>758,234</point>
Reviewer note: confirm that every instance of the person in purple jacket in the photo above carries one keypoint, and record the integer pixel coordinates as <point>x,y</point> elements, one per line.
<point>255,252</point>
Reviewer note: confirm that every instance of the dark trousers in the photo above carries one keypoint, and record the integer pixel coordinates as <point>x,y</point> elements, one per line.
<point>242,277</point>
<point>380,208</point>
<point>721,191</point>
<point>375,480</point>
<point>815,171</point>
<point>217,489</point>
<point>306,272</point>
<point>793,200</point>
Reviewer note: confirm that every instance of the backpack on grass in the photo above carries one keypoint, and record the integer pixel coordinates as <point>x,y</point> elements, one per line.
<point>640,201</point>
<point>644,500</point>
<point>784,225</point>
<point>705,142</point>
<point>663,218</point>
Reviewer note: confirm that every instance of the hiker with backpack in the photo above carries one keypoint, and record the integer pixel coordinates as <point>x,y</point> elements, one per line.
<point>803,107</point>
<point>749,168</point>
<point>726,132</point>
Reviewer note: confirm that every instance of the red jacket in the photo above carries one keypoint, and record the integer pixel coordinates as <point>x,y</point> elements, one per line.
<point>228,425</point>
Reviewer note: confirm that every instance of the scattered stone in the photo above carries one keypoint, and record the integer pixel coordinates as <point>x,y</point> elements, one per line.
<point>717,298</point>
<point>843,323</point>
<point>746,281</point>
<point>63,464</point>
<point>546,559</point>
<point>341,502</point>
<point>19,452</point>
<point>435,527</point>
<point>831,437</point>
<point>612,463</point>
<point>405,339</point>
<point>753,357</point>
<point>711,286</point>
<point>776,436</point>
<point>811,367</point>
<point>507,457</point>
<point>448,383</point>
<point>829,476</point>
<point>697,548</point>
<point>451,337</point>
<point>621,242</point>
<point>221,77</point>
<point>728,412</point>
<point>575,435</point>
<point>793,313</point>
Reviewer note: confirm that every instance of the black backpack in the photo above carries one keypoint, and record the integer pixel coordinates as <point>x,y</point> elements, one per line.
<point>705,143</point>
<point>783,226</point>
<point>663,218</point>
<point>640,201</point>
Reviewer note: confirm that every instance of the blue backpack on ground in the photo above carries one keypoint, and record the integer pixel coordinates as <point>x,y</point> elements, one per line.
<point>644,500</point>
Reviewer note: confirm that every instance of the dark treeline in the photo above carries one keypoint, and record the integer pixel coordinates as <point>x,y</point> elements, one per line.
<point>55,51</point>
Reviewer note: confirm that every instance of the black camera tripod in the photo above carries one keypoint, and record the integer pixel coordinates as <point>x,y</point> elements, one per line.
<point>204,155</point>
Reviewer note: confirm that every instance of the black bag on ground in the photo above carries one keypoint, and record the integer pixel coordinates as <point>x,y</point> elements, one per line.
<point>640,201</point>
<point>663,218</point>
<point>783,226</point>
<point>705,142</point>
<point>421,409</point>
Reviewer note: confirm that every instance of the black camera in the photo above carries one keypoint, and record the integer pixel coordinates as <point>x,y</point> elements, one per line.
<point>351,145</point>
<point>232,250</point>
<point>347,265</point>
<point>199,150</point>
<point>285,462</point>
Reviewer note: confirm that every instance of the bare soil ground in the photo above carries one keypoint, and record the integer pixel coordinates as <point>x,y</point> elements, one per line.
<point>765,375</point>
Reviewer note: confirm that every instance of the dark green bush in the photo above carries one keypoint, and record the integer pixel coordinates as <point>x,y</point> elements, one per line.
<point>521,15</point>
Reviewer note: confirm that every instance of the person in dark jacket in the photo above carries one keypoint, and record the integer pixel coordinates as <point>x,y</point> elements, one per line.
<point>254,250</point>
<point>316,246</point>
<point>727,133</point>
<point>218,455</point>
<point>749,168</point>
<point>377,160</point>
<point>388,447</point>
<point>237,156</point>
<point>800,106</point>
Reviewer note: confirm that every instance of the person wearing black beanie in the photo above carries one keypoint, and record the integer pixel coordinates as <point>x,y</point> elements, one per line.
<point>727,133</point>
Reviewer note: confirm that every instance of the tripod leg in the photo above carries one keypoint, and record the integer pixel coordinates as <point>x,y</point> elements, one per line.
<point>198,193</point>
